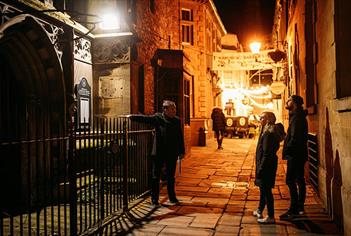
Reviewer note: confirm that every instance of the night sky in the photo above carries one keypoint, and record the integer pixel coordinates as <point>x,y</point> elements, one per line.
<point>249,19</point>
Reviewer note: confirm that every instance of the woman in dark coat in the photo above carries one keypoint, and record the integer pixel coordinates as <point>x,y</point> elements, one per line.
<point>218,125</point>
<point>266,164</point>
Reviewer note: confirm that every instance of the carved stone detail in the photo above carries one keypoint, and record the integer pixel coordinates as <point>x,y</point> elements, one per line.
<point>6,9</point>
<point>111,51</point>
<point>53,32</point>
<point>82,48</point>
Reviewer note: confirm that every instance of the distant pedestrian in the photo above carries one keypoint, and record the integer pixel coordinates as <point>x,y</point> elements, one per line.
<point>266,164</point>
<point>218,125</point>
<point>168,148</point>
<point>295,152</point>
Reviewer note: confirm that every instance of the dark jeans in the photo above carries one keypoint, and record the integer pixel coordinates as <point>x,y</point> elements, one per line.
<point>219,136</point>
<point>157,164</point>
<point>266,198</point>
<point>296,182</point>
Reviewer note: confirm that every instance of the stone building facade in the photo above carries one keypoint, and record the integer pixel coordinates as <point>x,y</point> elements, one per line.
<point>202,30</point>
<point>121,65</point>
<point>317,40</point>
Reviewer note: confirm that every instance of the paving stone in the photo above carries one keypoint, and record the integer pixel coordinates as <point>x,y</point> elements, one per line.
<point>234,209</point>
<point>227,230</point>
<point>253,197</point>
<point>207,172</point>
<point>205,220</point>
<point>211,201</point>
<point>222,178</point>
<point>193,175</point>
<point>187,181</point>
<point>192,188</point>
<point>169,230</point>
<point>236,202</point>
<point>218,195</point>
<point>176,220</point>
<point>189,210</point>
<point>222,191</point>
<point>230,219</point>
<point>147,230</point>
<point>259,229</point>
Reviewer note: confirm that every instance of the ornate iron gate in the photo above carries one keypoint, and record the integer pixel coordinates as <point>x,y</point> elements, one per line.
<point>76,184</point>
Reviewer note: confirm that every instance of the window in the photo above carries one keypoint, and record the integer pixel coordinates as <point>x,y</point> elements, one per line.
<point>311,52</point>
<point>187,15</point>
<point>186,102</point>
<point>141,92</point>
<point>152,6</point>
<point>187,26</point>
<point>343,49</point>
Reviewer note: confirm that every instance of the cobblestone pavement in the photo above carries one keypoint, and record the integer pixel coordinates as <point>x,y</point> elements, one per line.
<point>218,197</point>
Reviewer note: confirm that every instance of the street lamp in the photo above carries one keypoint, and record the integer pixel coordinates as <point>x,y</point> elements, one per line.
<point>110,21</point>
<point>255,47</point>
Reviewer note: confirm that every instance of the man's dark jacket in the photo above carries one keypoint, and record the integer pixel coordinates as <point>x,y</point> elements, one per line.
<point>295,143</point>
<point>169,135</point>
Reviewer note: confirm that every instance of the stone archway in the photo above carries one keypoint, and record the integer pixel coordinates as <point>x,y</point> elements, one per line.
<point>32,108</point>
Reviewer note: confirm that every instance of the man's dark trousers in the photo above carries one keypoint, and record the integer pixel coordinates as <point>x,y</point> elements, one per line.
<point>295,177</point>
<point>157,164</point>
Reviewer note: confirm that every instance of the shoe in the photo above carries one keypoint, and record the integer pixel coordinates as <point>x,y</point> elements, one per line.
<point>257,213</point>
<point>220,148</point>
<point>174,202</point>
<point>289,215</point>
<point>155,203</point>
<point>301,211</point>
<point>266,220</point>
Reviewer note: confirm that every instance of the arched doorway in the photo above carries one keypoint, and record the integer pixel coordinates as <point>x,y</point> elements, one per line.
<point>32,108</point>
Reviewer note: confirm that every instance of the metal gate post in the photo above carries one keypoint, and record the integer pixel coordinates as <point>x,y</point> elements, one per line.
<point>72,179</point>
<point>102,169</point>
<point>125,166</point>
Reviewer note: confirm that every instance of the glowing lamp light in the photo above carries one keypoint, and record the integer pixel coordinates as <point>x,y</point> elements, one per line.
<point>277,87</point>
<point>110,22</point>
<point>255,47</point>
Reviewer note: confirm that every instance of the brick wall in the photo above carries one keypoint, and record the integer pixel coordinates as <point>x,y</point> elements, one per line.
<point>157,29</point>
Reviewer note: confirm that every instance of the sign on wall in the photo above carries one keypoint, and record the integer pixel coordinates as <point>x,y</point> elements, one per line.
<point>111,86</point>
<point>83,103</point>
<point>226,61</point>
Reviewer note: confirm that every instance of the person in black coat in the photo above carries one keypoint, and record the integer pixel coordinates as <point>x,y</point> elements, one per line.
<point>296,153</point>
<point>169,147</point>
<point>218,125</point>
<point>266,164</point>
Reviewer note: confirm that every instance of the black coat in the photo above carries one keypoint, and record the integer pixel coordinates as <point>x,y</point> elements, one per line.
<point>266,155</point>
<point>218,119</point>
<point>169,135</point>
<point>295,143</point>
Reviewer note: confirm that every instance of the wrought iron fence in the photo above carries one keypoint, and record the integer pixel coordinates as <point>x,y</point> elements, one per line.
<point>76,184</point>
<point>313,160</point>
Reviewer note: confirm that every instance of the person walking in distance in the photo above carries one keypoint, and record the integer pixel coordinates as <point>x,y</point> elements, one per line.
<point>296,153</point>
<point>169,147</point>
<point>266,164</point>
<point>218,125</point>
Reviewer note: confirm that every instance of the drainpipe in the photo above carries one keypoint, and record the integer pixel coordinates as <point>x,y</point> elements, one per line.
<point>180,29</point>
